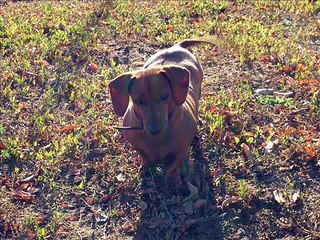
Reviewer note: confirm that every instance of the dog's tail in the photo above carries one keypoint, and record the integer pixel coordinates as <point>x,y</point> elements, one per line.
<point>193,42</point>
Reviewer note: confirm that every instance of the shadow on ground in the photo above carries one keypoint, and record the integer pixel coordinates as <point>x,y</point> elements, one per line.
<point>191,214</point>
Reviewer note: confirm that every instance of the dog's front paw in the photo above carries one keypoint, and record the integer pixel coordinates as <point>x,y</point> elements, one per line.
<point>174,182</point>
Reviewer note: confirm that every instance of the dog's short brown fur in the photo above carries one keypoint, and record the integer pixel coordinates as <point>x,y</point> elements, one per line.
<point>162,99</point>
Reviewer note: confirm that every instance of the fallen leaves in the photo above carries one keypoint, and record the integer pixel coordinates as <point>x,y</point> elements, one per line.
<point>192,189</point>
<point>67,205</point>
<point>286,198</point>
<point>23,196</point>
<point>67,129</point>
<point>2,12</point>
<point>246,151</point>
<point>278,197</point>
<point>200,203</point>
<point>230,200</point>
<point>129,227</point>
<point>104,198</point>
<point>93,67</point>
<point>309,153</point>
<point>26,189</point>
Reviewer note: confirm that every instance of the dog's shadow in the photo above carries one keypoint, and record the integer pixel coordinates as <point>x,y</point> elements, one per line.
<point>189,214</point>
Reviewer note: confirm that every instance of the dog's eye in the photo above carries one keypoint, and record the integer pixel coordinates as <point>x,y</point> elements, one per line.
<point>140,102</point>
<point>164,97</point>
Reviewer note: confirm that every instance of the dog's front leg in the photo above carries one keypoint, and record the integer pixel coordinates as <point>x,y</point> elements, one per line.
<point>173,176</point>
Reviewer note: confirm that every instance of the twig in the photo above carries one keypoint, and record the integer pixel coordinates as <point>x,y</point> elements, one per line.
<point>161,200</point>
<point>127,128</point>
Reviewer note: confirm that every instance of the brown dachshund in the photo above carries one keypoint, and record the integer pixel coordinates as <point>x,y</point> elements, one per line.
<point>161,103</point>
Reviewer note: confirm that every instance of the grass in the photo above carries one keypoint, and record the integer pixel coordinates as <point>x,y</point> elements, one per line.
<point>66,173</point>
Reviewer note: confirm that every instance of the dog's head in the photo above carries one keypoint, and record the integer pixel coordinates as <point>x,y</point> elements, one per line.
<point>154,93</point>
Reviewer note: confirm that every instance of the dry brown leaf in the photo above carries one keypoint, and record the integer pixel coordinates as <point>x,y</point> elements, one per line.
<point>246,151</point>
<point>93,67</point>
<point>74,171</point>
<point>23,196</point>
<point>192,189</point>
<point>129,227</point>
<point>67,205</point>
<point>200,203</point>
<point>229,201</point>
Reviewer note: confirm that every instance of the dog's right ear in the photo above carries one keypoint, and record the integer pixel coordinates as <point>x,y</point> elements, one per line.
<point>119,91</point>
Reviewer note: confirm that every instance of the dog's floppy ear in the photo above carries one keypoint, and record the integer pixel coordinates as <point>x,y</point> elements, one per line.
<point>119,91</point>
<point>179,80</point>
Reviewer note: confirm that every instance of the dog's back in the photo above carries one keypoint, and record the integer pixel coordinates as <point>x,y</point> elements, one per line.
<point>179,55</point>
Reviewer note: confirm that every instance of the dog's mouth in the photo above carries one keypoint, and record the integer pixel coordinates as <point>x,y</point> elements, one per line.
<point>152,131</point>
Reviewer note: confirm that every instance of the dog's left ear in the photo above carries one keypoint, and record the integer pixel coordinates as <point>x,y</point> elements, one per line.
<point>179,80</point>
<point>119,91</point>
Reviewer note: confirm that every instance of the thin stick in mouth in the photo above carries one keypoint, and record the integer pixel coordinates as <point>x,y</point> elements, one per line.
<point>127,128</point>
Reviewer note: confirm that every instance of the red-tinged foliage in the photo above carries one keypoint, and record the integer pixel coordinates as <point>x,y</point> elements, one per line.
<point>289,70</point>
<point>9,184</point>
<point>31,234</point>
<point>215,110</point>
<point>67,129</point>
<point>2,146</point>
<point>40,219</point>
<point>309,82</point>
<point>91,200</point>
<point>249,134</point>
<point>223,16</point>
<point>93,67</point>
<point>23,196</point>
<point>45,63</point>
<point>265,58</point>
<point>104,198</point>
<point>24,186</point>
<point>309,153</point>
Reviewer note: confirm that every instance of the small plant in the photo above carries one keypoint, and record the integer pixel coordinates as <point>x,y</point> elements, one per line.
<point>271,101</point>
<point>243,188</point>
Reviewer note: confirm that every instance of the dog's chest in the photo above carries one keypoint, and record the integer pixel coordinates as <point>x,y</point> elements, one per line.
<point>155,149</point>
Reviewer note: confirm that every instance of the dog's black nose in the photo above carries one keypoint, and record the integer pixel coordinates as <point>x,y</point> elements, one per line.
<point>154,129</point>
